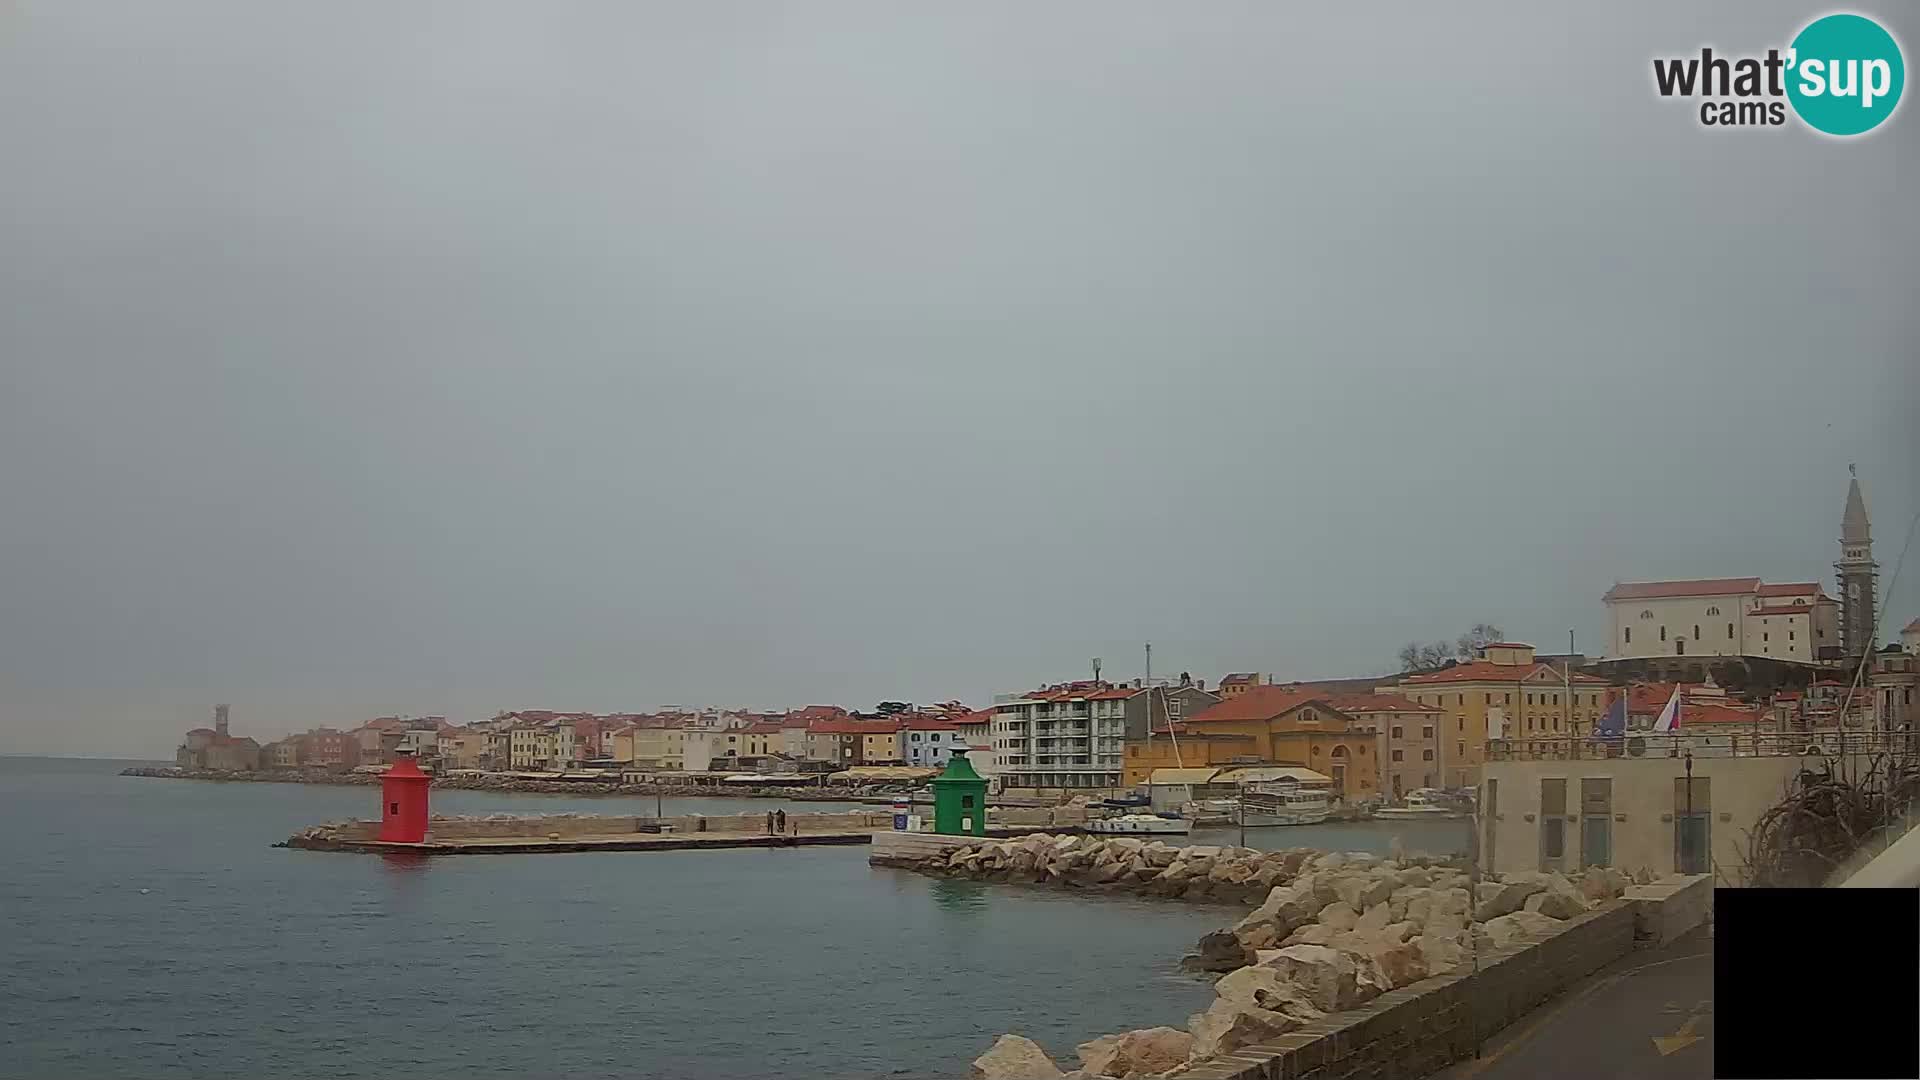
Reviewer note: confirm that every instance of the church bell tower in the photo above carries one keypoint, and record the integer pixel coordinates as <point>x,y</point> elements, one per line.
<point>1859,574</point>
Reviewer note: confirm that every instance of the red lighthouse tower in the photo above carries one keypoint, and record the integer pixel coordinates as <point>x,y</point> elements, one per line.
<point>403,798</point>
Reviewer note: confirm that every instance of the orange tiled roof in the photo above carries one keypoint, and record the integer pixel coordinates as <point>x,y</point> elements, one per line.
<point>1716,714</point>
<point>1656,590</point>
<point>1359,703</point>
<point>1796,588</point>
<point>1258,703</point>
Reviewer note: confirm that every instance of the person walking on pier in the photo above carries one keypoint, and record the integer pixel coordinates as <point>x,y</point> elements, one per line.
<point>780,821</point>
<point>769,823</point>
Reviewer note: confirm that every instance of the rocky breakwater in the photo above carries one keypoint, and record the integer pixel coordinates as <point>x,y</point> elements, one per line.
<point>1227,875</point>
<point>1339,931</point>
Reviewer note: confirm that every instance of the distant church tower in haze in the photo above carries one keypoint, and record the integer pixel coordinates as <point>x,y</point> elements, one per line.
<point>1859,574</point>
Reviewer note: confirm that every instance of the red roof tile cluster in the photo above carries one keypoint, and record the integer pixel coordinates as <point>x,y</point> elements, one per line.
<point>853,727</point>
<point>1258,703</point>
<point>1658,590</point>
<point>1372,703</point>
<point>1796,588</point>
<point>764,728</point>
<point>1716,714</point>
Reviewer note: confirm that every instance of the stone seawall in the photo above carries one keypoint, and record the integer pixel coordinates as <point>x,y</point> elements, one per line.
<point>1363,968</point>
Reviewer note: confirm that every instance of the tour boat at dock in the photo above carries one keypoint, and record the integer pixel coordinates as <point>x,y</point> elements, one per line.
<point>1283,804</point>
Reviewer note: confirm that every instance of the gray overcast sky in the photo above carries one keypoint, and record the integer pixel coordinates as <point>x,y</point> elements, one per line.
<point>447,357</point>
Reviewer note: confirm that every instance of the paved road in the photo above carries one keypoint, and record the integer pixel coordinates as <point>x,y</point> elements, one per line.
<point>1647,1017</point>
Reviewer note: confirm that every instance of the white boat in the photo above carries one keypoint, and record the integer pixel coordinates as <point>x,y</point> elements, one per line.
<point>1284,804</point>
<point>1138,825</point>
<point>1210,811</point>
<point>1420,804</point>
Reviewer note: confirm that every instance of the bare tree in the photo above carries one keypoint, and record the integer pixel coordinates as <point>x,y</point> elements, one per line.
<point>1414,656</point>
<point>1475,640</point>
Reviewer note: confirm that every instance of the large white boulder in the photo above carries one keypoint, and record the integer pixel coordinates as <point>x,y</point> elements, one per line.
<point>1136,1053</point>
<point>1015,1057</point>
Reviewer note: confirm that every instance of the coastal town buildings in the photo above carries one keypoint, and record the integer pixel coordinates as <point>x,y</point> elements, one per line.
<point>284,754</point>
<point>1506,693</point>
<point>929,741</point>
<point>218,748</point>
<point>1895,690</point>
<point>1236,683</point>
<point>1407,738</point>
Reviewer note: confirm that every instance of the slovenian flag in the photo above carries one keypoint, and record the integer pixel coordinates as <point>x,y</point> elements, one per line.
<point>1670,716</point>
<point>1614,724</point>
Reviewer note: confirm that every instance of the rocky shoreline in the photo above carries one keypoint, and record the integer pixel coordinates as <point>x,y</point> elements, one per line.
<point>495,782</point>
<point>1331,932</point>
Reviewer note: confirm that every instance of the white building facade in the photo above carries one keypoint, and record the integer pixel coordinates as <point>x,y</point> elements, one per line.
<point>1722,617</point>
<point>1063,737</point>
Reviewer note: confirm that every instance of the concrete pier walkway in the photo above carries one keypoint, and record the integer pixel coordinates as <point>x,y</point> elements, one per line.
<point>1648,1016</point>
<point>524,845</point>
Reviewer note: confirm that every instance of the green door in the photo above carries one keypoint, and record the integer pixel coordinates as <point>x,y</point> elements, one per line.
<point>1596,841</point>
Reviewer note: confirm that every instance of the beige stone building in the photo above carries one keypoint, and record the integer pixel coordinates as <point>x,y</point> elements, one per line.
<point>1722,617</point>
<point>1506,694</point>
<point>1552,811</point>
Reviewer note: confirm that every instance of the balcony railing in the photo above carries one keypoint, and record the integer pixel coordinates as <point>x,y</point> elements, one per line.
<point>1814,744</point>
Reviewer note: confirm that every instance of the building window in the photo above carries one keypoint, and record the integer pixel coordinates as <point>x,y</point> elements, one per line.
<point>1696,631</point>
<point>1489,699</point>
<point>1713,611</point>
<point>1629,635</point>
<point>1789,635</point>
<point>1648,614</point>
<point>1396,731</point>
<point>1729,631</point>
<point>1506,699</point>
<point>1529,699</point>
<point>1459,723</point>
<point>1460,748</point>
<point>1397,755</point>
<point>1426,732</point>
<point>1763,635</point>
<point>1663,633</point>
<point>1426,755</point>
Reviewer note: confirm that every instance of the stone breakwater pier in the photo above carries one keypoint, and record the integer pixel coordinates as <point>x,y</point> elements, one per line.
<point>1350,965</point>
<point>518,834</point>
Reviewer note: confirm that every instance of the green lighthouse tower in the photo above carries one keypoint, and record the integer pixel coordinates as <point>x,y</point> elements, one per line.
<point>960,799</point>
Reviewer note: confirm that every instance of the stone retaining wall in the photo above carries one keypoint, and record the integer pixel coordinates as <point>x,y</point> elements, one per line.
<point>1419,1029</point>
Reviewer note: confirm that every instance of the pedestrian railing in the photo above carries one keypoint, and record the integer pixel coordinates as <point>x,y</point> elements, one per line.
<point>1814,743</point>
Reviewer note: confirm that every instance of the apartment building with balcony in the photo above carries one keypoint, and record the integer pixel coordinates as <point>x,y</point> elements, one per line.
<point>1067,736</point>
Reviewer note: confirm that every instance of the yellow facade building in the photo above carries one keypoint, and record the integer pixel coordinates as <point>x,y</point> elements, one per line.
<point>1266,725</point>
<point>1507,694</point>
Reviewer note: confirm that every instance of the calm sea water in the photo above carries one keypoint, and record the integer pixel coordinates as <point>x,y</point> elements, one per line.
<point>151,930</point>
